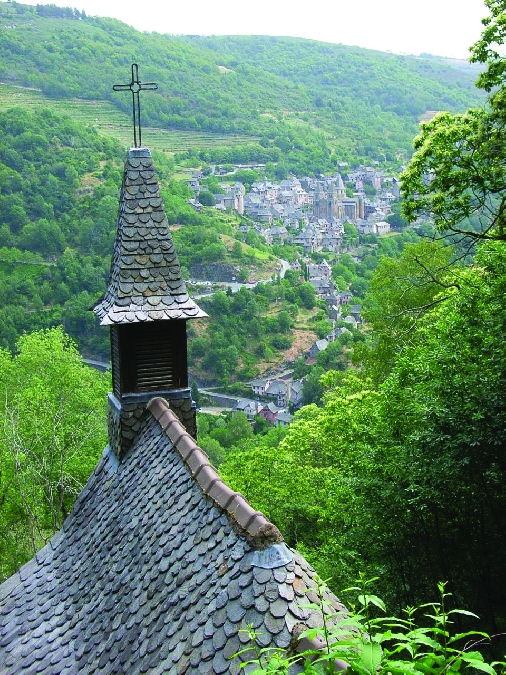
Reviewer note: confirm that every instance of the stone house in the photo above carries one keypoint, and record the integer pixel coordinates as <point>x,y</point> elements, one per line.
<point>250,408</point>
<point>259,386</point>
<point>296,393</point>
<point>317,347</point>
<point>279,390</point>
<point>269,412</point>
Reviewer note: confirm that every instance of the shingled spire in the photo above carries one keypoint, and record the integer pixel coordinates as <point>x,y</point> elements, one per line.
<point>146,304</point>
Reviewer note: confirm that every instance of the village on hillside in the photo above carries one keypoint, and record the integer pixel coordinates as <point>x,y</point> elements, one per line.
<point>311,214</point>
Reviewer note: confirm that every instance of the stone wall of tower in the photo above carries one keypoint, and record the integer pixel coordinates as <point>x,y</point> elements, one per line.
<point>125,416</point>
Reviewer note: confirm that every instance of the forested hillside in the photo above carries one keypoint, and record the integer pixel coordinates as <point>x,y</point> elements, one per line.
<point>313,104</point>
<point>401,471</point>
<point>398,468</point>
<point>59,189</point>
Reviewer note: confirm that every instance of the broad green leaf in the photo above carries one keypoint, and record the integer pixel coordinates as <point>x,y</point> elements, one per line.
<point>479,665</point>
<point>370,657</point>
<point>372,599</point>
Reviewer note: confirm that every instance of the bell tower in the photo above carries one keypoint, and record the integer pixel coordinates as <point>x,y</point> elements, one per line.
<point>146,305</point>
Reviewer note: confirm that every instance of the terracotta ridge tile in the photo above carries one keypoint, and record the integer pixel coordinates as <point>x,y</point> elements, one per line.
<point>252,522</point>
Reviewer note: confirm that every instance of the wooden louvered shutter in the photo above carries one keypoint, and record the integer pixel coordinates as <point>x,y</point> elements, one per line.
<point>152,356</point>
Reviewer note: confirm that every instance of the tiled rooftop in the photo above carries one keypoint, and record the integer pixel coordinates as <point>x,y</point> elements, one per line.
<point>156,570</point>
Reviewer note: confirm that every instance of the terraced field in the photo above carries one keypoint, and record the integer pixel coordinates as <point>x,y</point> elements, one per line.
<point>110,121</point>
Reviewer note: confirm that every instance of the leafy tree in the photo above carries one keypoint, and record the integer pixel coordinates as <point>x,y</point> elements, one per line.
<point>237,249</point>
<point>312,389</point>
<point>237,428</point>
<point>359,287</point>
<point>52,434</point>
<point>449,389</point>
<point>281,342</point>
<point>206,198</point>
<point>458,171</point>
<point>307,295</point>
<point>217,453</point>
<point>401,291</point>
<point>322,328</point>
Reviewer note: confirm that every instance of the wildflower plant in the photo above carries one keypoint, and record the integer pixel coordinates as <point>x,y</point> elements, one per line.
<point>362,643</point>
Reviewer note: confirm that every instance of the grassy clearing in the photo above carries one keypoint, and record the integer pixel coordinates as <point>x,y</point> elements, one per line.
<point>303,320</point>
<point>110,121</point>
<point>247,250</point>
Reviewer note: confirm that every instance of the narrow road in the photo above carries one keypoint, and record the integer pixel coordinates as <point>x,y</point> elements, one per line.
<point>235,286</point>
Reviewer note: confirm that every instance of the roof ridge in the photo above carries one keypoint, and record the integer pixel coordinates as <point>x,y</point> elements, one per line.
<point>260,532</point>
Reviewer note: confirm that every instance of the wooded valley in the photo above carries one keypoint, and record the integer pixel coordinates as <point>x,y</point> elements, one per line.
<point>395,467</point>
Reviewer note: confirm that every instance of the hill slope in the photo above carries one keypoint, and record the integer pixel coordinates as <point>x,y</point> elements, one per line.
<point>293,93</point>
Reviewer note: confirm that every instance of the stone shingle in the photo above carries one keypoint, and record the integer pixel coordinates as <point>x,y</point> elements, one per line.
<point>145,282</point>
<point>118,591</point>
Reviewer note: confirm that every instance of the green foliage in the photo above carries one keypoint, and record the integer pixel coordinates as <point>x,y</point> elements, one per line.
<point>364,644</point>
<point>373,99</point>
<point>464,157</point>
<point>237,428</point>
<point>52,434</point>
<point>485,49</point>
<point>401,291</point>
<point>458,169</point>
<point>206,198</point>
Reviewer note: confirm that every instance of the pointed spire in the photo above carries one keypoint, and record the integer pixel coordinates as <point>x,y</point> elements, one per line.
<point>145,283</point>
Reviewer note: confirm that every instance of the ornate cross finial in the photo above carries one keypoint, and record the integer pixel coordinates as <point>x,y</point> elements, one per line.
<point>135,87</point>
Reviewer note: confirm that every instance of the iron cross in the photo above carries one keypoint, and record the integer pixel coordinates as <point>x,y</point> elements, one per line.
<point>135,87</point>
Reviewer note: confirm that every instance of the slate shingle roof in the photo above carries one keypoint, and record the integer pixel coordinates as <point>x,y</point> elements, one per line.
<point>156,570</point>
<point>145,282</point>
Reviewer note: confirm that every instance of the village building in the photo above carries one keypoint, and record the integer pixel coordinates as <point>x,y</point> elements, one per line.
<point>248,407</point>
<point>355,311</point>
<point>259,386</point>
<point>333,312</point>
<point>296,394</point>
<point>232,198</point>
<point>284,391</point>
<point>324,287</point>
<point>319,270</point>
<point>317,347</point>
<point>279,390</point>
<point>373,227</point>
<point>269,412</point>
<point>351,321</point>
<point>283,418</point>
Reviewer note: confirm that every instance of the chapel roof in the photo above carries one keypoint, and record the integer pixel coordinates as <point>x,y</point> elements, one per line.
<point>145,282</point>
<point>157,569</point>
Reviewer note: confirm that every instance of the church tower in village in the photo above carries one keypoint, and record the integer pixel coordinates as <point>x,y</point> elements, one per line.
<point>341,190</point>
<point>319,202</point>
<point>333,202</point>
